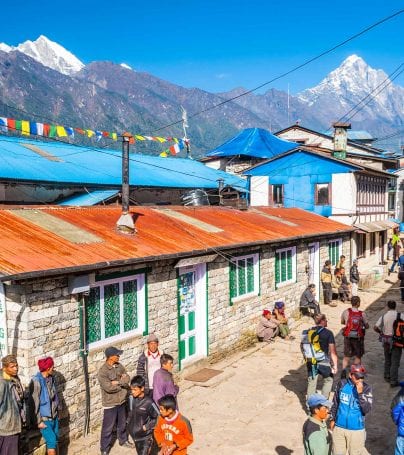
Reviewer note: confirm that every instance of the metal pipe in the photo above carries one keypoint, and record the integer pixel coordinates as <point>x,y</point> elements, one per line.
<point>84,358</point>
<point>125,174</point>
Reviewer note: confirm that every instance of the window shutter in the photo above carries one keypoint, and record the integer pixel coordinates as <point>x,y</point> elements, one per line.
<point>232,284</point>
<point>241,275</point>
<point>250,274</point>
<point>289,265</point>
<point>93,318</point>
<point>111,310</point>
<point>277,269</point>
<point>130,305</point>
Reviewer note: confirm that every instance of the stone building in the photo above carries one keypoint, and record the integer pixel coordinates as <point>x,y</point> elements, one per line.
<point>199,277</point>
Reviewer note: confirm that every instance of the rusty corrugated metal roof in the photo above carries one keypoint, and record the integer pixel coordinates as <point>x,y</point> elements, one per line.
<point>28,249</point>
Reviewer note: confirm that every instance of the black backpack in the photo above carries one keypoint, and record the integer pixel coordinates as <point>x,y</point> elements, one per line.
<point>398,332</point>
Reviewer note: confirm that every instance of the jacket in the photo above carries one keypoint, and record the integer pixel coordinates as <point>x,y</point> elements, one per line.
<point>354,274</point>
<point>177,430</point>
<point>142,368</point>
<point>163,384</point>
<point>397,412</point>
<point>142,412</point>
<point>326,276</point>
<point>44,397</point>
<point>10,406</point>
<point>316,438</point>
<point>307,299</point>
<point>350,407</point>
<point>113,395</point>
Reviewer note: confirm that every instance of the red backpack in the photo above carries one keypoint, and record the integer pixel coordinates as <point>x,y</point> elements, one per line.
<point>354,327</point>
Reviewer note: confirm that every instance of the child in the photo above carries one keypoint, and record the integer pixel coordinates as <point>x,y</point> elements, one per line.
<point>173,431</point>
<point>280,316</point>
<point>142,417</point>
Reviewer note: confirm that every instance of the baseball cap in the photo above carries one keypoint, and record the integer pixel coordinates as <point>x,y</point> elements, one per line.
<point>151,337</point>
<point>318,400</point>
<point>358,370</point>
<point>109,352</point>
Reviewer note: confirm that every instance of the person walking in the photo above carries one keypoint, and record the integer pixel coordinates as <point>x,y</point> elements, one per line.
<point>392,354</point>
<point>354,277</point>
<point>149,362</point>
<point>114,383</point>
<point>355,322</point>
<point>142,417</point>
<point>396,244</point>
<point>326,282</point>
<point>352,400</point>
<point>326,367</point>
<point>308,300</point>
<point>397,414</point>
<point>46,403</point>
<point>163,382</point>
<point>12,414</point>
<point>401,278</point>
<point>316,437</point>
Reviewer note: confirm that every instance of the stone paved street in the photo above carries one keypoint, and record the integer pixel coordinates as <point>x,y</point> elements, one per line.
<point>256,405</point>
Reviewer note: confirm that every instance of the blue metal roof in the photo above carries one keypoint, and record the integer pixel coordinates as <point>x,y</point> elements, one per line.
<point>90,198</point>
<point>298,163</point>
<point>57,162</point>
<point>254,142</point>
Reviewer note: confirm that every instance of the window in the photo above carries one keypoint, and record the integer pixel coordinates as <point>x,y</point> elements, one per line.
<point>361,245</point>
<point>244,276</point>
<point>114,308</point>
<point>285,266</point>
<point>373,243</point>
<point>277,194</point>
<point>323,194</point>
<point>334,251</point>
<point>392,201</point>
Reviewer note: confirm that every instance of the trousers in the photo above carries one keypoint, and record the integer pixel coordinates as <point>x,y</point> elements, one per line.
<point>348,441</point>
<point>9,444</point>
<point>392,358</point>
<point>113,416</point>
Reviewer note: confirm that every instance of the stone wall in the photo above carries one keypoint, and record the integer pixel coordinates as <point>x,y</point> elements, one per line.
<point>43,319</point>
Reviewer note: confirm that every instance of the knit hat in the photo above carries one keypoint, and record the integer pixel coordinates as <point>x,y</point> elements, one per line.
<point>266,312</point>
<point>152,337</point>
<point>279,305</point>
<point>45,363</point>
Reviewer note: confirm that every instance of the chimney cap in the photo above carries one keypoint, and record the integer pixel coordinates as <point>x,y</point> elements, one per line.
<point>345,125</point>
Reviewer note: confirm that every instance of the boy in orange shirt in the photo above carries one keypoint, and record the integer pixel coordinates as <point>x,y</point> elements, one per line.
<point>173,432</point>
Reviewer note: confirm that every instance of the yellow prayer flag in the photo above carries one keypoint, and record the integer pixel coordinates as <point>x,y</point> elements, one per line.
<point>175,140</point>
<point>90,133</point>
<point>164,154</point>
<point>140,138</point>
<point>114,136</point>
<point>25,127</point>
<point>60,131</point>
<point>160,139</point>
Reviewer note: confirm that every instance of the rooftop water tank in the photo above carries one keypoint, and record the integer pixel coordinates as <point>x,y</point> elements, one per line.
<point>195,197</point>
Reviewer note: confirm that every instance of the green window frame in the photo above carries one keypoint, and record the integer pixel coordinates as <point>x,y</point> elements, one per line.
<point>334,251</point>
<point>244,276</point>
<point>285,266</point>
<point>115,309</point>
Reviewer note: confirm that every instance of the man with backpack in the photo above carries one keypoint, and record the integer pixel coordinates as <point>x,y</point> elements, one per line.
<point>318,347</point>
<point>397,414</point>
<point>387,326</point>
<point>355,323</point>
<point>352,400</point>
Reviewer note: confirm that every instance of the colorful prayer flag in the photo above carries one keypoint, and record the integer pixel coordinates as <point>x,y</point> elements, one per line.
<point>25,128</point>
<point>60,130</point>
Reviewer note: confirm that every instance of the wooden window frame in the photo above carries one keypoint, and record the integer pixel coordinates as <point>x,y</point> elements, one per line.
<point>329,194</point>
<point>361,245</point>
<point>338,243</point>
<point>235,294</point>
<point>293,277</point>
<point>372,243</point>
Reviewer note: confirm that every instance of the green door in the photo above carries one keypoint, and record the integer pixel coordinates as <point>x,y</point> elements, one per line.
<point>186,315</point>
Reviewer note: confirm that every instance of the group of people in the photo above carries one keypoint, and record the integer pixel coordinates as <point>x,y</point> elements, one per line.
<point>143,407</point>
<point>37,409</point>
<point>353,396</point>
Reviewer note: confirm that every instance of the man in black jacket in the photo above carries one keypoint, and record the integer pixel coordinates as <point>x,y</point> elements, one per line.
<point>142,418</point>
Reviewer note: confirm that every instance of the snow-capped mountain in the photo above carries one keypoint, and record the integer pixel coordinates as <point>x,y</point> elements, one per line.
<point>352,82</point>
<point>49,54</point>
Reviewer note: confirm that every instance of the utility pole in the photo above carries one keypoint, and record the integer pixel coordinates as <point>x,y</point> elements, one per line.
<point>184,127</point>
<point>125,223</point>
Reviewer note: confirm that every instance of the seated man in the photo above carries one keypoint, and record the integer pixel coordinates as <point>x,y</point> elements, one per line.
<point>268,327</point>
<point>308,300</point>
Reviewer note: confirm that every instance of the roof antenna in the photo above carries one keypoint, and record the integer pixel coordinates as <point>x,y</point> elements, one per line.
<point>184,127</point>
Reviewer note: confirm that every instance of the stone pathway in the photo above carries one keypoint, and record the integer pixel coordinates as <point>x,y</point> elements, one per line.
<point>256,407</point>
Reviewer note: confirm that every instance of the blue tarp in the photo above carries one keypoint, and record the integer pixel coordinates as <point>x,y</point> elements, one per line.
<point>79,165</point>
<point>254,142</point>
<point>90,198</point>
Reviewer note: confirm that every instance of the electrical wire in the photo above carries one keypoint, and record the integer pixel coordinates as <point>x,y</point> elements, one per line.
<point>286,73</point>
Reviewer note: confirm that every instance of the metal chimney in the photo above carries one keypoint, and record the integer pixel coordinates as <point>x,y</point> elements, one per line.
<point>340,139</point>
<point>125,223</point>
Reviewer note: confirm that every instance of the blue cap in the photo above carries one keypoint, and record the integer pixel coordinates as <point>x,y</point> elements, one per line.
<point>318,400</point>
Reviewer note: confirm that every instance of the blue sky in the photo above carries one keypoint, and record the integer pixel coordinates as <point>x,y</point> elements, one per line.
<point>215,45</point>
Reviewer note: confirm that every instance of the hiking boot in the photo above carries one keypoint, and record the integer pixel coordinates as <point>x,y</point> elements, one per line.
<point>127,445</point>
<point>394,384</point>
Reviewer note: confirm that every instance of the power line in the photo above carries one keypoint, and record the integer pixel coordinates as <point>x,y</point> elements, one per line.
<point>307,62</point>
